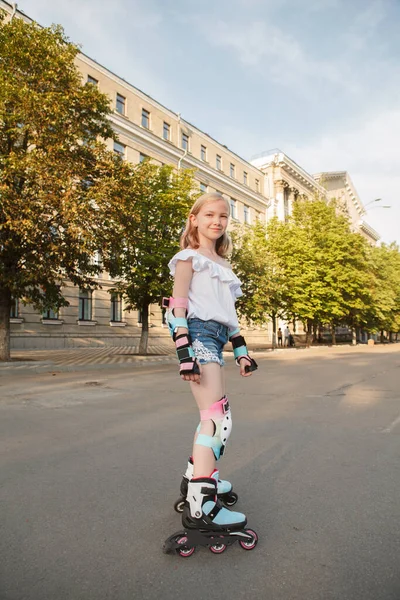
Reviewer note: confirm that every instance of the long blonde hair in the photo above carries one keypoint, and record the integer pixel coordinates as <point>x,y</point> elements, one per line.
<point>190,237</point>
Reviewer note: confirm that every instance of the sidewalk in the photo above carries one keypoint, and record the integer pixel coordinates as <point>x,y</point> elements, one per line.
<point>78,359</point>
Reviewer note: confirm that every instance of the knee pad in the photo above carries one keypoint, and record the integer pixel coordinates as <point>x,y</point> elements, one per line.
<point>220,414</point>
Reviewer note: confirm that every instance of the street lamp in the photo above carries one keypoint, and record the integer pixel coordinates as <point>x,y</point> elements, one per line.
<point>372,202</point>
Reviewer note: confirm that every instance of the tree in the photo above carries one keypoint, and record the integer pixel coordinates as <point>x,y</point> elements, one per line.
<point>325,265</point>
<point>148,221</point>
<point>384,313</point>
<point>51,128</point>
<point>261,275</point>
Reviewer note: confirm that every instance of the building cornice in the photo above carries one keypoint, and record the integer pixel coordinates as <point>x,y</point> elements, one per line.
<point>369,230</point>
<point>151,141</point>
<point>280,159</point>
<point>348,184</point>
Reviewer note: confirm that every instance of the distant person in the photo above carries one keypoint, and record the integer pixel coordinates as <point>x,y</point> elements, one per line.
<point>279,337</point>
<point>286,335</point>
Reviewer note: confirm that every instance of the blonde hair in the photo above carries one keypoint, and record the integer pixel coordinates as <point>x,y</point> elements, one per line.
<point>190,237</point>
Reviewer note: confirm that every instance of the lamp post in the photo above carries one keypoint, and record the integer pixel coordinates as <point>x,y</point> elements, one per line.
<point>372,202</point>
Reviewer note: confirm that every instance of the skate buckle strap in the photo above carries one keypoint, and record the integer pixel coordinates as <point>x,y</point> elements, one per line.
<point>218,409</point>
<point>174,303</point>
<point>213,513</point>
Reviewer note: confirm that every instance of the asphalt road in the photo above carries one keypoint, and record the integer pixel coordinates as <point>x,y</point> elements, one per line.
<point>91,464</point>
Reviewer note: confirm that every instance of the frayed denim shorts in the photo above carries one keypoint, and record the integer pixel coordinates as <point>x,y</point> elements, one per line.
<point>208,340</point>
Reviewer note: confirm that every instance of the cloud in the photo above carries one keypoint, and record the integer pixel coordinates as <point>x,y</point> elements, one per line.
<point>369,152</point>
<point>277,54</point>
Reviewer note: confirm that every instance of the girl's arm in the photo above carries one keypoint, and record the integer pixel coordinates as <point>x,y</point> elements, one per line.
<point>243,360</point>
<point>183,277</point>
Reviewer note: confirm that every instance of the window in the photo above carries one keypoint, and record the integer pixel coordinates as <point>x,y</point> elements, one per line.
<point>218,162</point>
<point>116,308</point>
<point>92,80</point>
<point>145,118</point>
<point>119,149</point>
<point>203,187</point>
<point>244,177</point>
<point>120,104</point>
<point>246,214</point>
<point>85,305</point>
<point>232,170</point>
<point>142,157</point>
<point>50,314</point>
<point>185,141</point>
<point>14,308</point>
<point>166,131</point>
<point>257,185</point>
<point>233,208</point>
<point>203,151</point>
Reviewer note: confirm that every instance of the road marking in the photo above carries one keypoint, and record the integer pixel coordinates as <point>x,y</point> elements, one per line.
<point>392,425</point>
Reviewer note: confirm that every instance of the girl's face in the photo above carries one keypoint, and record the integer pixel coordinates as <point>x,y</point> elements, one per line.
<point>212,220</point>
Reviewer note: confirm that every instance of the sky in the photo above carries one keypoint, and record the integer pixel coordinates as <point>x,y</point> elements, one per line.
<point>319,79</point>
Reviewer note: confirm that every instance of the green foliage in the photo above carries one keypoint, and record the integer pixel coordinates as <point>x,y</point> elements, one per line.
<point>148,220</point>
<point>48,177</point>
<point>325,264</point>
<point>384,313</point>
<point>261,275</point>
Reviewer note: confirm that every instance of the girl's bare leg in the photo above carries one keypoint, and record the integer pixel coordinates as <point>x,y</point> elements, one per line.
<point>210,390</point>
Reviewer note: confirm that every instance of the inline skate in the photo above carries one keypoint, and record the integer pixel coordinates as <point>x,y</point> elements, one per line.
<point>206,522</point>
<point>224,490</point>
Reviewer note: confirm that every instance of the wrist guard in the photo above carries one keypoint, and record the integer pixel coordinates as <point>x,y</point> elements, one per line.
<point>187,360</point>
<point>174,322</point>
<point>240,351</point>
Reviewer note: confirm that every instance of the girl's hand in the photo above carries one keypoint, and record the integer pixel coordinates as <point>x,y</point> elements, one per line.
<point>195,377</point>
<point>243,363</point>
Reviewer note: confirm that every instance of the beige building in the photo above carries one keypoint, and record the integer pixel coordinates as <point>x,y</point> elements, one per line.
<point>285,180</point>
<point>145,128</point>
<point>338,185</point>
<point>265,187</point>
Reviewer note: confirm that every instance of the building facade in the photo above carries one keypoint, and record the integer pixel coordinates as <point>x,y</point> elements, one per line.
<point>265,187</point>
<point>338,185</point>
<point>145,128</point>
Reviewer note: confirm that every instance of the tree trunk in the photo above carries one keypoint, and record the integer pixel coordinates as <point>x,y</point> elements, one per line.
<point>308,333</point>
<point>274,341</point>
<point>333,329</point>
<point>144,338</point>
<point>5,308</point>
<point>391,337</point>
<point>353,336</point>
<point>382,336</point>
<point>314,332</point>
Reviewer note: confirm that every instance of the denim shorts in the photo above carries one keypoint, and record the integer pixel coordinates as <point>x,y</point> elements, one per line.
<point>208,340</point>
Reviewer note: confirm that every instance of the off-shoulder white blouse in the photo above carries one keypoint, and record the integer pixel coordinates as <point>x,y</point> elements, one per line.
<point>213,289</point>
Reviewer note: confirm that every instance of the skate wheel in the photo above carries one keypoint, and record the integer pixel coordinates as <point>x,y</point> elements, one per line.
<point>178,506</point>
<point>218,548</point>
<point>184,551</point>
<point>249,545</point>
<point>231,499</point>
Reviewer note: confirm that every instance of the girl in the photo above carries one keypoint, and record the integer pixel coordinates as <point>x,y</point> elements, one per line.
<point>201,318</point>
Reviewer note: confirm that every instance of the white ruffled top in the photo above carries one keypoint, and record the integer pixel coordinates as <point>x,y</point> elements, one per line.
<point>213,289</point>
